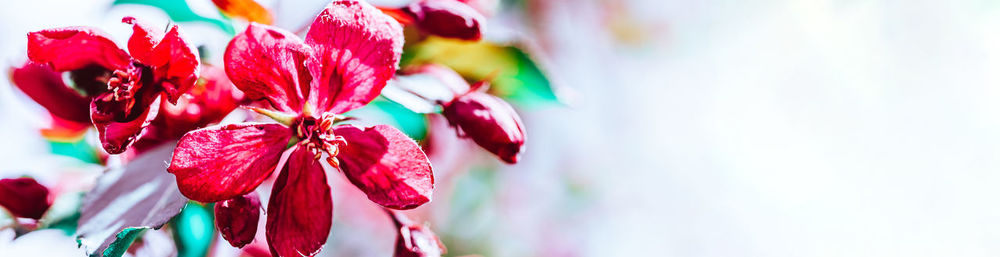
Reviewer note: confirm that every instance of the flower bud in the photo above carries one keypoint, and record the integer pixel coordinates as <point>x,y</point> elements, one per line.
<point>24,197</point>
<point>414,240</point>
<point>237,218</point>
<point>447,18</point>
<point>490,122</point>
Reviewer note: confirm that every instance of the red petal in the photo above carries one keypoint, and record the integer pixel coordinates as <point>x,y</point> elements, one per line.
<point>237,218</point>
<point>448,18</point>
<point>75,48</point>
<point>357,49</point>
<point>387,165</point>
<point>490,122</point>
<point>24,197</point>
<point>47,88</point>
<point>175,64</point>
<point>300,211</point>
<point>119,122</point>
<point>219,163</point>
<point>267,64</point>
<point>143,39</point>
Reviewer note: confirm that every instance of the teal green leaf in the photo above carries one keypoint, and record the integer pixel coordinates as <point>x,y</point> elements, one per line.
<point>122,241</point>
<point>139,195</point>
<point>78,149</point>
<point>382,111</point>
<point>179,11</point>
<point>193,230</point>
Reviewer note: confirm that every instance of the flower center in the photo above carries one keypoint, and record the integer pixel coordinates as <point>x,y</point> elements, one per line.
<point>124,83</point>
<point>316,135</point>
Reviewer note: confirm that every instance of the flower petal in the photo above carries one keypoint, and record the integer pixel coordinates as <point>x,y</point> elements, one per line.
<point>74,48</point>
<point>175,64</point>
<point>24,197</point>
<point>143,39</point>
<point>387,165</point>
<point>219,163</point>
<point>119,122</point>
<point>237,218</point>
<point>300,211</point>
<point>490,122</point>
<point>357,49</point>
<point>448,18</point>
<point>47,88</point>
<point>267,64</point>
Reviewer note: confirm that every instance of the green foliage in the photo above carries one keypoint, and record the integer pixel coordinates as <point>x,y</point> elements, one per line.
<point>179,11</point>
<point>194,230</point>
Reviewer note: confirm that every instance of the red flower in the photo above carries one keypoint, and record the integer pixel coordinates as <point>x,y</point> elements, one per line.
<point>120,87</point>
<point>24,197</point>
<point>349,53</point>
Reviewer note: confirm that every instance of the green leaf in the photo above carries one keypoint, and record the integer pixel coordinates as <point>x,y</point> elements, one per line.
<point>122,241</point>
<point>383,111</point>
<point>194,230</point>
<point>140,195</point>
<point>519,77</point>
<point>78,149</point>
<point>179,11</point>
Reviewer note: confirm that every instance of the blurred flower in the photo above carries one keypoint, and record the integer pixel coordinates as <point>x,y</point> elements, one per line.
<point>24,197</point>
<point>349,53</point>
<point>247,9</point>
<point>443,18</point>
<point>208,102</point>
<point>237,218</point>
<point>121,87</point>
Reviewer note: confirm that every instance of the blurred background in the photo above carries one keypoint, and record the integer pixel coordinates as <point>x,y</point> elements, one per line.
<point>684,128</point>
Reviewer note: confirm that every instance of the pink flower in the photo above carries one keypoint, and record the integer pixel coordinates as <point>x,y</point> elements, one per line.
<point>120,87</point>
<point>349,53</point>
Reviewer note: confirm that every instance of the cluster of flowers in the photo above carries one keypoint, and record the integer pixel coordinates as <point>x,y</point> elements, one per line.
<point>160,92</point>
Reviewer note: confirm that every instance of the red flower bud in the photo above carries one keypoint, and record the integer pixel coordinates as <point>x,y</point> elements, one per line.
<point>490,122</point>
<point>414,240</point>
<point>237,218</point>
<point>447,18</point>
<point>24,197</point>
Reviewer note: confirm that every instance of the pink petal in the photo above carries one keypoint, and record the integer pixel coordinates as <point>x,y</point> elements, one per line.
<point>74,48</point>
<point>237,218</point>
<point>267,64</point>
<point>490,122</point>
<point>448,18</point>
<point>357,49</point>
<point>300,211</point>
<point>118,123</point>
<point>387,165</point>
<point>219,163</point>
<point>47,88</point>
<point>24,197</point>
